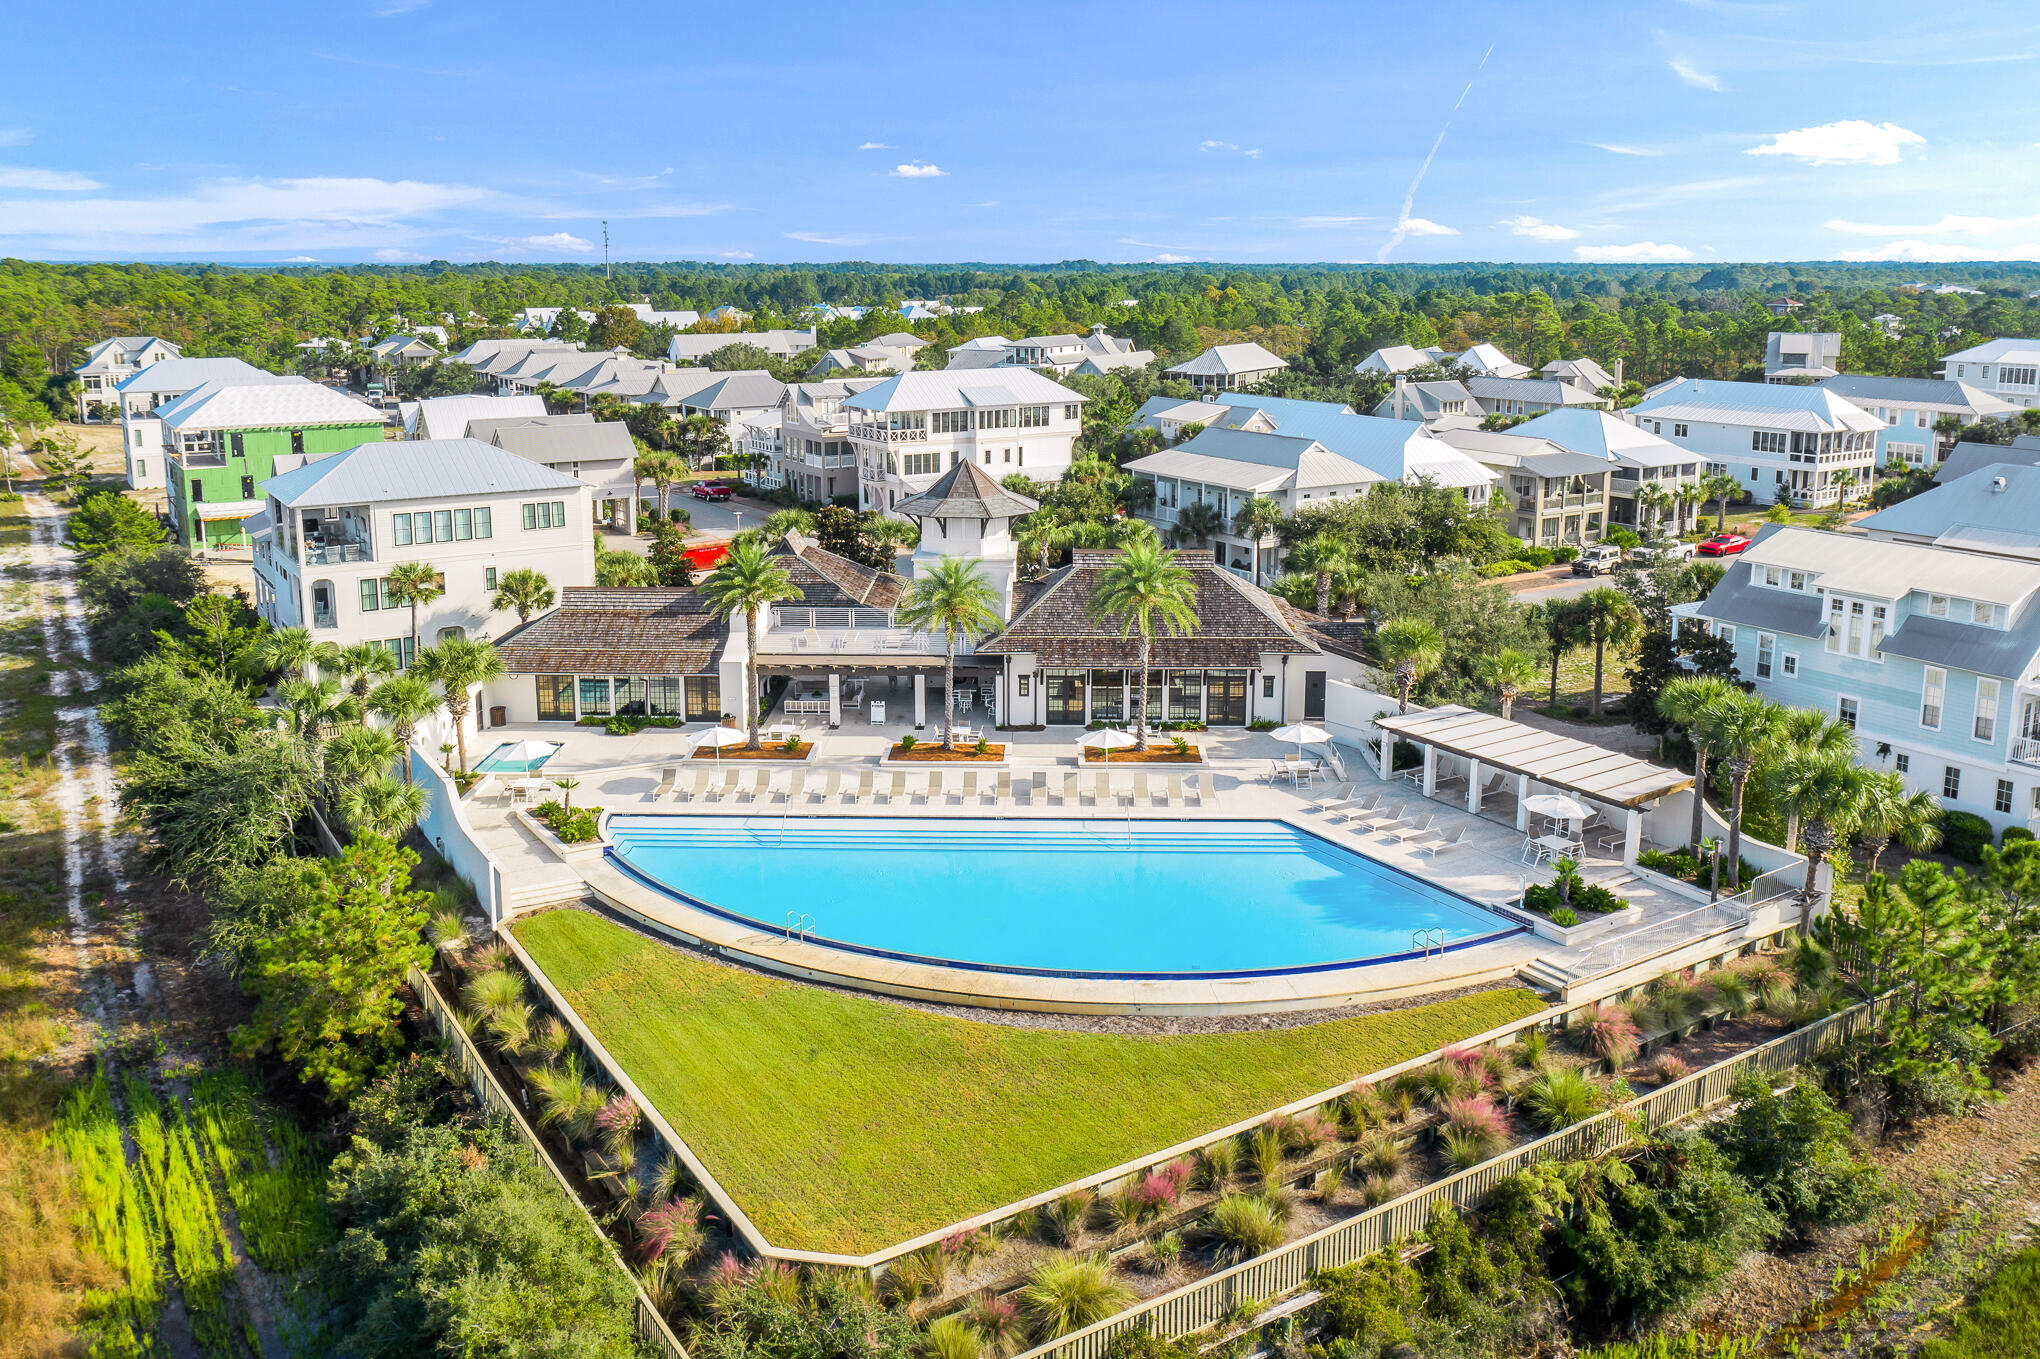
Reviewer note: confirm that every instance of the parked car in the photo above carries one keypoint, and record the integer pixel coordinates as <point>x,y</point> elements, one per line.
<point>1597,560</point>
<point>1650,553</point>
<point>709,490</point>
<point>1724,545</point>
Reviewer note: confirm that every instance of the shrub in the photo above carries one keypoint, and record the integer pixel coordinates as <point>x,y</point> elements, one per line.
<point>671,1230</point>
<point>1475,1115</point>
<point>1062,1220</point>
<point>1963,836</point>
<point>1530,1049</point>
<point>1795,1151</point>
<point>1463,1151</point>
<point>953,1337</point>
<point>997,1322</point>
<point>1217,1164</point>
<point>1268,1155</point>
<point>1564,918</point>
<point>983,746</point>
<point>1167,1248</point>
<point>1731,989</point>
<point>1536,556</point>
<point>1558,1098</point>
<point>1668,1068</point>
<point>1244,1226</point>
<point>1610,1034</point>
<point>2011,833</point>
<point>1564,554</point>
<point>1380,1155</point>
<point>1376,1190</point>
<point>1329,1182</point>
<point>1068,1295</point>
<point>908,741</point>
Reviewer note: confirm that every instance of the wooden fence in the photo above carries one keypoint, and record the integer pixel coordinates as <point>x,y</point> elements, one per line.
<point>1209,1300</point>
<point>652,1331</point>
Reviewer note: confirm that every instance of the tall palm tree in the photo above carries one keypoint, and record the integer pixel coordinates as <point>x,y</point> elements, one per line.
<point>292,650</point>
<point>1198,521</point>
<point>1256,521</point>
<point>457,665</point>
<point>1411,648</point>
<point>1323,555</point>
<point>1827,789</point>
<point>1722,487</point>
<point>662,469</point>
<point>1811,729</point>
<point>524,590</point>
<point>382,806</point>
<point>1890,813</point>
<point>1508,672</point>
<point>404,701</point>
<point>412,584</point>
<point>1145,587</point>
<point>746,583</point>
<point>1741,729</point>
<point>315,705</point>
<point>953,597</point>
<point>1683,702</point>
<point>1611,620</point>
<point>363,663</point>
<point>1659,501</point>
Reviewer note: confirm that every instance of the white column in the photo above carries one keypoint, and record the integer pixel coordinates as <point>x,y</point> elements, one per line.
<point>1473,785</point>
<point>835,699</point>
<point>920,699</point>
<point>1386,754</point>
<point>1632,836</point>
<point>1522,812</point>
<point>1430,770</point>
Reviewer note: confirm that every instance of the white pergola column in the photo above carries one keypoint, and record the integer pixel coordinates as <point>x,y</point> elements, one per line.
<point>1473,785</point>
<point>835,699</point>
<point>1522,812</point>
<point>1632,836</point>
<point>1430,770</point>
<point>1385,757</point>
<point>920,699</point>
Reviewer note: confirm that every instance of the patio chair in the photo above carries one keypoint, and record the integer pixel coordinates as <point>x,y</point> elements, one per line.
<point>691,792</point>
<point>862,792</point>
<point>1001,790</point>
<point>894,790</point>
<point>667,778</point>
<point>1496,785</point>
<point>1436,844</point>
<point>1410,829</point>
<point>934,789</point>
<point>1140,788</point>
<point>1193,790</point>
<point>810,782</point>
<point>781,786</point>
<point>827,788</point>
<point>1122,790</point>
<point>1379,819</point>
<point>1355,809</point>
<point>725,787</point>
<point>1097,795</point>
<point>748,792</point>
<point>968,792</point>
<point>1171,792</point>
<point>1338,797</point>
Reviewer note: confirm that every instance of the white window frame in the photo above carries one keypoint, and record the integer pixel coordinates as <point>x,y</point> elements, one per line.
<point>1767,650</point>
<point>1984,721</point>
<point>1788,664</point>
<point>1853,715</point>
<point>1933,697</point>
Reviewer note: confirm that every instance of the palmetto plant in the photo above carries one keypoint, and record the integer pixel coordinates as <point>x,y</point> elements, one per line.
<point>1611,619</point>
<point>357,753</point>
<point>1508,672</point>
<point>951,597</point>
<point>524,590</point>
<point>1890,813</point>
<point>413,584</point>
<point>362,664</point>
<point>1145,588</point>
<point>1683,702</point>
<point>457,665</point>
<point>746,583</point>
<point>1722,487</point>
<point>314,705</point>
<point>1197,521</point>
<point>1321,555</point>
<point>1828,790</point>
<point>404,701</point>
<point>291,650</point>
<point>1659,502</point>
<point>1411,648</point>
<point>379,805</point>
<point>1558,1097</point>
<point>1810,729</point>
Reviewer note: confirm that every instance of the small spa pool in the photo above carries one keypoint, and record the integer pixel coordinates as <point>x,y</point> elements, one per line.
<point>1055,898</point>
<point>517,757</point>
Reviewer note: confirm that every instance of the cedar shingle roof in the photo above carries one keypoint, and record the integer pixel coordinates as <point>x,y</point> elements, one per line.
<point>830,581</point>
<point>634,631</point>
<point>966,491</point>
<point>1237,622</point>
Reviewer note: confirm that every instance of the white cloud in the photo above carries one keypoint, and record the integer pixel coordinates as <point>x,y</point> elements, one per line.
<point>1641,252</point>
<point>1319,223</point>
<point>389,9</point>
<point>1950,224</point>
<point>558,240</point>
<point>54,181</point>
<point>1424,226</point>
<point>915,169</point>
<point>1686,71</point>
<point>817,238</point>
<point>1939,252</point>
<point>1615,148</point>
<point>876,146</point>
<point>391,255</point>
<point>1849,142</point>
<point>14,136</point>
<point>736,255</point>
<point>300,259</point>
<point>1538,230</point>
<point>1250,152</point>
<point>1173,259</point>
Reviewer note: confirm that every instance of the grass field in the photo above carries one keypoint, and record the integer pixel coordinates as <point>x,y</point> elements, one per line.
<point>841,1123</point>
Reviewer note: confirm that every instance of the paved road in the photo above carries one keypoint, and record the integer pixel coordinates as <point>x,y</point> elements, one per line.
<point>1547,588</point>
<point>709,520</point>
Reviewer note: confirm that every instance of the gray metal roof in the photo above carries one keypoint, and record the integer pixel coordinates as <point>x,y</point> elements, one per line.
<point>542,440</point>
<point>1560,761</point>
<point>1956,398</point>
<point>181,375</point>
<point>1223,360</point>
<point>745,389</point>
<point>1966,458</point>
<point>1735,600</point>
<point>418,469</point>
<point>1968,503</point>
<point>2005,653</point>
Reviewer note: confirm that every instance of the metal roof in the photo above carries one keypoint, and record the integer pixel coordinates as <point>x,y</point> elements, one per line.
<point>1855,564</point>
<point>1768,405</point>
<point>938,391</point>
<point>1226,472</point>
<point>1224,360</point>
<point>1975,507</point>
<point>447,417</point>
<point>1592,771</point>
<point>290,403</point>
<point>1957,398</point>
<point>181,375</point>
<point>1738,601</point>
<point>418,469</point>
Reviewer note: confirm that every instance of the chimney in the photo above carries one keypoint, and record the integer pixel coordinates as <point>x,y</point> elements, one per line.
<point>1997,484</point>
<point>1618,373</point>
<point>1401,397</point>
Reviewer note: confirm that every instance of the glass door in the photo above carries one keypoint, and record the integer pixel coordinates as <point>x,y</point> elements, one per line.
<point>1065,697</point>
<point>1225,698</point>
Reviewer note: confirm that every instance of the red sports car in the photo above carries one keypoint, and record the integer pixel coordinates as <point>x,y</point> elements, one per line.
<point>1723,545</point>
<point>709,490</point>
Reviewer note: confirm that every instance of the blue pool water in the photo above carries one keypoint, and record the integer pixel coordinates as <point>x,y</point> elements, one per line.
<point>1095,899</point>
<point>497,762</point>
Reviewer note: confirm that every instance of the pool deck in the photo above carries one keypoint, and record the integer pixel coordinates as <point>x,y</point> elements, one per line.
<point>622,773</point>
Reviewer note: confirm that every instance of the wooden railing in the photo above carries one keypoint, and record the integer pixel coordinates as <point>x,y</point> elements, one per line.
<point>1209,1300</point>
<point>652,1330</point>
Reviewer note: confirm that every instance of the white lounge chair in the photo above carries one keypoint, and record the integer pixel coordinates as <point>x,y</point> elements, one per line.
<point>895,790</point>
<point>1066,795</point>
<point>1355,809</point>
<point>692,791</point>
<point>1435,844</point>
<point>1171,791</point>
<point>725,787</point>
<point>1416,826</point>
<point>810,783</point>
<point>862,791</point>
<point>828,787</point>
<point>965,794</point>
<point>667,778</point>
<point>781,786</point>
<point>1379,819</point>
<point>1193,791</point>
<point>1001,791</point>
<point>1122,790</point>
<point>1140,788</point>
<point>1096,797</point>
<point>748,792</point>
<point>1338,797</point>
<point>935,789</point>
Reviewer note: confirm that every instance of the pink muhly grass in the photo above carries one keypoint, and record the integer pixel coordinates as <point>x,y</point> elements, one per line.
<point>728,1272</point>
<point>1475,1116</point>
<point>1182,1170</point>
<point>1466,1060</point>
<point>674,1222</point>
<point>1159,1189</point>
<point>1611,1034</point>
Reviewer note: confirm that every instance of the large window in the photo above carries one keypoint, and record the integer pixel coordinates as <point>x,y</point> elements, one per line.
<point>995,419</point>
<point>1108,696</point>
<point>920,464</point>
<point>1767,646</point>
<point>664,697</point>
<point>545,514</point>
<point>1186,696</point>
<point>1985,726</point>
<point>594,697</point>
<point>1767,441</point>
<point>1033,417</point>
<point>628,696</point>
<point>555,698</point>
<point>1932,691</point>
<point>949,422</point>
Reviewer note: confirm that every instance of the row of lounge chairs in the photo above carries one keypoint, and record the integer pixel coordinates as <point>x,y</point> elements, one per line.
<point>1415,830</point>
<point>899,787</point>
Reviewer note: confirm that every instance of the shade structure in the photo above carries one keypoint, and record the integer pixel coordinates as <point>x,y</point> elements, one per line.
<point>715,738</point>
<point>1107,739</point>
<point>1607,776</point>
<point>1555,805</point>
<point>1302,733</point>
<point>525,752</point>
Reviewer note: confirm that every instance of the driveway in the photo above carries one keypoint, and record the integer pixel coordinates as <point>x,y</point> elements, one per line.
<point>1556,582</point>
<point>708,521</point>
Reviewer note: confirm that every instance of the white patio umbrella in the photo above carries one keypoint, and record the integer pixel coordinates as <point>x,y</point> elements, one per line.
<point>1303,734</point>
<point>1107,739</point>
<point>1557,806</point>
<point>524,752</point>
<point>718,737</point>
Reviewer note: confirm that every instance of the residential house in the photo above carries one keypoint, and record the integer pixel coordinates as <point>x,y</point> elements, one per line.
<point>447,417</point>
<point>1532,396</point>
<point>1783,306</point>
<point>780,344</point>
<point>140,394</point>
<point>1428,401</point>
<point>1929,652</point>
<point>397,351</point>
<point>1485,360</point>
<point>1912,408</point>
<point>870,357</point>
<point>334,526</point>
<point>491,358</point>
<point>223,439</point>
<point>1094,353</point>
<point>543,319</point>
<point>1993,509</point>
<point>1556,497</point>
<point>1170,416</point>
<point>734,396</point>
<point>1802,356</point>
<point>982,351</point>
<point>1228,368</point>
<point>600,454</point>
<point>814,455</point>
<point>1583,373</point>
<point>1402,358</point>
<point>1802,445</point>
<point>2006,369</point>
<point>1964,458</point>
<point>1889,322</point>
<point>1641,459</point>
<point>908,430</point>
<point>112,362</point>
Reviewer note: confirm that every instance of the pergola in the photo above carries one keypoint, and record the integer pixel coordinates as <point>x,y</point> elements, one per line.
<point>1490,744</point>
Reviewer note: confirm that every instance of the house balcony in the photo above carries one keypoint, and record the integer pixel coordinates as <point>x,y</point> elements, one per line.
<point>885,434</point>
<point>336,554</point>
<point>324,618</point>
<point>2026,750</point>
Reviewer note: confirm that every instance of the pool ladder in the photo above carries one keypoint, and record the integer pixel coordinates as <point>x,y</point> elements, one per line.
<point>800,923</point>
<point>1428,942</point>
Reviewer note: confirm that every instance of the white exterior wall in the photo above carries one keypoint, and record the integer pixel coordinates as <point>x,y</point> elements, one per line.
<point>1043,453</point>
<point>142,440</point>
<point>1765,476</point>
<point>1990,377</point>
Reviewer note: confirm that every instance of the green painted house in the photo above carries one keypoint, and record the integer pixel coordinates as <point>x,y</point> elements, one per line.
<point>222,440</point>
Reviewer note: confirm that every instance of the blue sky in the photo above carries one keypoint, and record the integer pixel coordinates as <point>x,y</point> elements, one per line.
<point>419,129</point>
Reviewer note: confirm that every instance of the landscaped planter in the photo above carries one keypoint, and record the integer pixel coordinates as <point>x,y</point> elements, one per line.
<point>567,853</point>
<point>1590,926</point>
<point>775,750</point>
<point>1155,754</point>
<point>931,752</point>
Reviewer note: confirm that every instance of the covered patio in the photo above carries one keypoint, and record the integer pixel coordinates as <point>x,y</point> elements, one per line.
<point>1483,760</point>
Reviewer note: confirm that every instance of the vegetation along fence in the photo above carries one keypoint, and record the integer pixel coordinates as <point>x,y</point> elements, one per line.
<point>1210,1300</point>
<point>652,1330</point>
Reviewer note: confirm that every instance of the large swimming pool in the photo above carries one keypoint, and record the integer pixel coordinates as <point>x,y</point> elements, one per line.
<point>1069,898</point>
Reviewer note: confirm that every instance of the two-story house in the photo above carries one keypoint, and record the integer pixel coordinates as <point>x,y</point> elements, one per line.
<point>1641,460</point>
<point>1912,408</point>
<point>447,417</point>
<point>333,526</point>
<point>1402,358</point>
<point>600,454</point>
<point>1228,368</point>
<point>1531,396</point>
<point>814,455</point>
<point>1802,356</point>
<point>1583,373</point>
<point>1428,401</point>
<point>909,429</point>
<point>780,344</point>
<point>1556,497</point>
<point>112,362</point>
<point>223,439</point>
<point>2008,369</point>
<point>1801,445</point>
<point>158,385</point>
<point>1093,354</point>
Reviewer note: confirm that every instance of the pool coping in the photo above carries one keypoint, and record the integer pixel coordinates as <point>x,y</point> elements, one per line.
<point>666,914</point>
<point>622,865</point>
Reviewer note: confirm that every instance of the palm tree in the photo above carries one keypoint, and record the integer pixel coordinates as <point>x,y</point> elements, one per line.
<point>404,701</point>
<point>415,583</point>
<point>1659,501</point>
<point>1827,790</point>
<point>1257,521</point>
<point>954,597</point>
<point>1412,648</point>
<point>1198,521</point>
<point>1508,672</point>
<point>1323,554</point>
<point>1683,702</point>
<point>315,705</point>
<point>795,520</point>
<point>1890,813</point>
<point>291,650</point>
<point>362,663</point>
<point>524,590</point>
<point>621,568</point>
<point>1741,728</point>
<point>662,469</point>
<point>1722,487</point>
<point>1811,729</point>
<point>382,806</point>
<point>360,753</point>
<point>747,582</point>
<point>1145,586</point>
<point>457,665</point>
<point>1611,619</point>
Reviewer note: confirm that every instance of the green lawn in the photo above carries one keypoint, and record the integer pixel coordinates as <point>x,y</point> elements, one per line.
<point>841,1123</point>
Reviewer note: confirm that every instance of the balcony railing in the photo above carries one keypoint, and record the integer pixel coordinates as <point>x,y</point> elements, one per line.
<point>323,618</point>
<point>885,434</point>
<point>335,554</point>
<point>2026,750</point>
